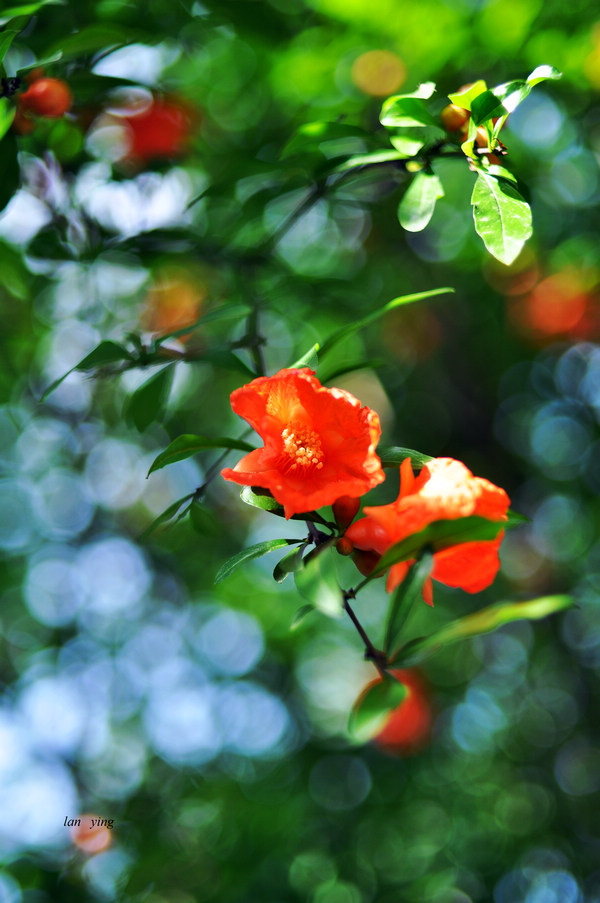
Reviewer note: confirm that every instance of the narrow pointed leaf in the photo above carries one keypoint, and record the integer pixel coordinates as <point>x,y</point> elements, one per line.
<point>541,73</point>
<point>403,599</point>
<point>484,621</point>
<point>502,217</point>
<point>262,498</point>
<point>288,564</point>
<point>417,206</point>
<point>310,359</point>
<point>148,402</point>
<point>302,612</point>
<point>255,551</point>
<point>6,39</point>
<point>105,353</point>
<point>371,710</point>
<point>317,582</point>
<point>26,9</point>
<point>340,334</point>
<point>394,455</point>
<point>226,312</point>
<point>167,515</point>
<point>365,364</point>
<point>204,521</point>
<point>187,445</point>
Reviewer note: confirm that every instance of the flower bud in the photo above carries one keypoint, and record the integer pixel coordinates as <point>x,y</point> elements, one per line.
<point>345,510</point>
<point>365,561</point>
<point>344,546</point>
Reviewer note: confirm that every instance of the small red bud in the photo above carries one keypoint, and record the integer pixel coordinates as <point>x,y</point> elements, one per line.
<point>344,546</point>
<point>365,561</point>
<point>345,510</point>
<point>48,97</point>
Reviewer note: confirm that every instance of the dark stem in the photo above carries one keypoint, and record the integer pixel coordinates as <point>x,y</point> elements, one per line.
<point>371,653</point>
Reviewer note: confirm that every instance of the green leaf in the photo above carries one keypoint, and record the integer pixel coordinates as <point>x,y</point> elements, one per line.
<point>486,106</point>
<point>409,109</point>
<point>502,217</point>
<point>105,353</point>
<point>168,514</point>
<point>227,360</point>
<point>402,601</point>
<point>484,621</point>
<point>38,64</point>
<point>6,39</point>
<point>7,114</point>
<point>417,206</point>
<point>148,402</point>
<point>317,581</point>
<point>465,98</point>
<point>255,551</point>
<point>94,37</point>
<point>26,9</point>
<point>515,519</point>
<point>226,312</point>
<point>312,134</point>
<point>370,712</point>
<point>541,73</point>
<point>441,534</point>
<point>300,615</point>
<point>203,521</point>
<point>189,444</point>
<point>394,455</point>
<point>345,331</point>
<point>352,367</point>
<point>407,146</point>
<point>310,359</point>
<point>374,159</point>
<point>262,498</point>
<point>289,563</point>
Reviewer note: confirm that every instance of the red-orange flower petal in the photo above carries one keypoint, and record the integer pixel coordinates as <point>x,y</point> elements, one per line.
<point>319,444</point>
<point>444,490</point>
<point>407,728</point>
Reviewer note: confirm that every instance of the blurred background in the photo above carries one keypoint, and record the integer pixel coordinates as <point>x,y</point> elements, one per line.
<point>133,689</point>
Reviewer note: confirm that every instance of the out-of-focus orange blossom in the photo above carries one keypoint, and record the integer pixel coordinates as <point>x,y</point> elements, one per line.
<point>91,836</point>
<point>378,72</point>
<point>174,301</point>
<point>558,306</point>
<point>407,728</point>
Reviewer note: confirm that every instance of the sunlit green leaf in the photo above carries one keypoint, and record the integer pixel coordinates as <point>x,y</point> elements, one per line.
<point>465,98</point>
<point>371,710</point>
<point>417,206</point>
<point>345,331</point>
<point>402,601</point>
<point>255,551</point>
<point>376,158</point>
<point>189,444</point>
<point>148,402</point>
<point>407,146</point>
<point>317,581</point>
<point>502,216</point>
<point>484,621</point>
<point>541,73</point>
<point>486,106</point>
<point>394,455</point>
<point>7,114</point>
<point>409,109</point>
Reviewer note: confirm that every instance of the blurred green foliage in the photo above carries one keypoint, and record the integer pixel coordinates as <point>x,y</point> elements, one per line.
<point>190,714</point>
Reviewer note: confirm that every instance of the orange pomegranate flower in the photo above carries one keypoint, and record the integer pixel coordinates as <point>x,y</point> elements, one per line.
<point>319,443</point>
<point>444,490</point>
<point>407,728</point>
